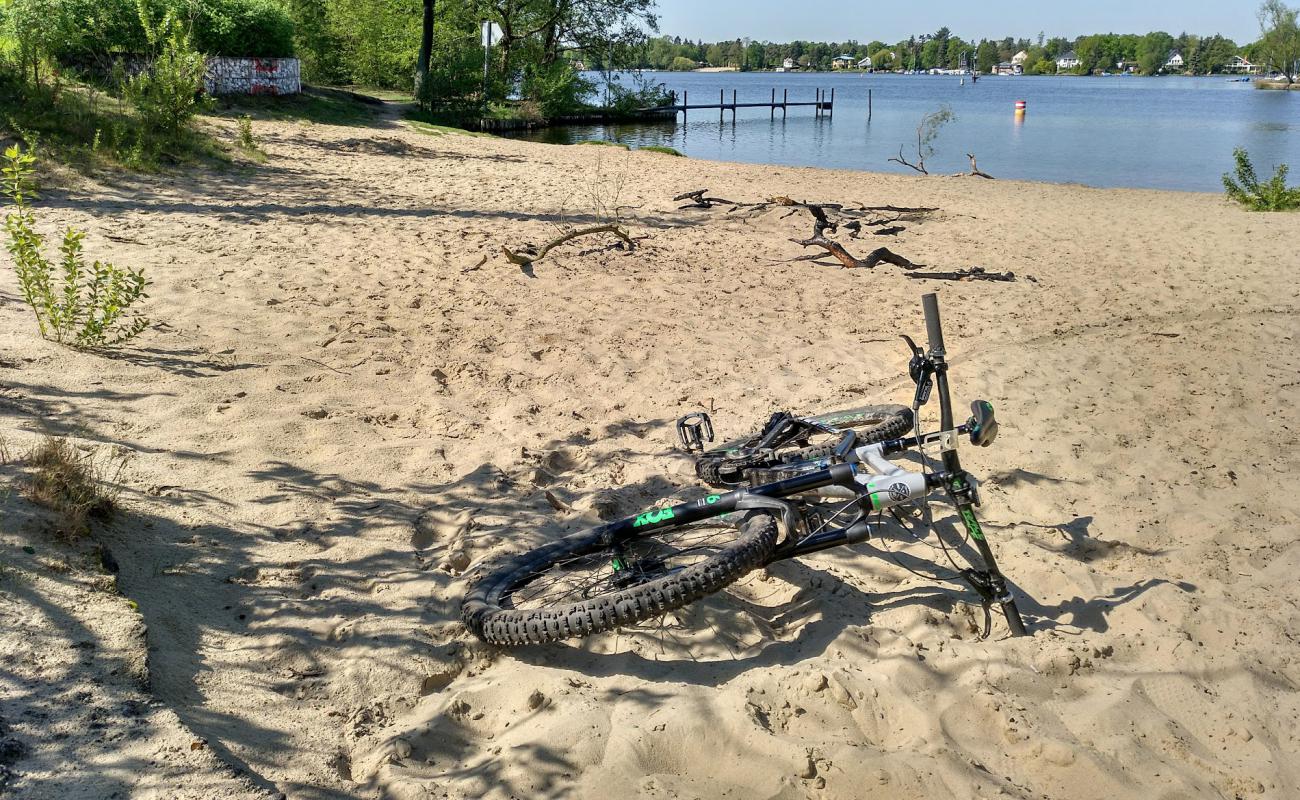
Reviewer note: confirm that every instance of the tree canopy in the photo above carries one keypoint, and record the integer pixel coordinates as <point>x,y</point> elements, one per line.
<point>1279,47</point>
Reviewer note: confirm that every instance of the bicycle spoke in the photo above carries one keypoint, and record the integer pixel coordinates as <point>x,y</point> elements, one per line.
<point>646,559</point>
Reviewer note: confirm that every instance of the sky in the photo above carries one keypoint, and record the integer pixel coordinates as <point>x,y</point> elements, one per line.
<point>838,20</point>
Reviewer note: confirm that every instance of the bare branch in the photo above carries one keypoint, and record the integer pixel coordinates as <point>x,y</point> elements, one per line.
<point>528,254</point>
<point>919,166</point>
<point>972,274</point>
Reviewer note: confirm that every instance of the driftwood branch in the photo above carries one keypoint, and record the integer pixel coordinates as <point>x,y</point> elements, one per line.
<point>699,200</point>
<point>822,224</point>
<point>901,209</point>
<point>881,255</point>
<point>974,169</point>
<point>919,166</point>
<point>972,274</point>
<point>528,254</point>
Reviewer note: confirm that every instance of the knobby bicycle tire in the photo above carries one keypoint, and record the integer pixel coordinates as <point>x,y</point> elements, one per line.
<point>488,608</point>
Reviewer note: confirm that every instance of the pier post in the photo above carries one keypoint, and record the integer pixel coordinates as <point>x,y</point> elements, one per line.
<point>733,107</point>
<point>868,105</point>
<point>785,100</point>
<point>773,106</point>
<point>722,104</point>
<point>817,103</point>
<point>684,105</point>
<point>832,108</point>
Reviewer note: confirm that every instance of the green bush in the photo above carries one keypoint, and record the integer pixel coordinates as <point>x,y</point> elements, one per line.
<point>658,148</point>
<point>641,94</point>
<point>1247,190</point>
<point>604,143</point>
<point>80,305</point>
<point>252,28</point>
<point>167,95</point>
<point>557,89</point>
<point>682,64</point>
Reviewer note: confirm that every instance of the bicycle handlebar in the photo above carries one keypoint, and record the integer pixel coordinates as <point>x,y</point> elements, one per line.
<point>933,328</point>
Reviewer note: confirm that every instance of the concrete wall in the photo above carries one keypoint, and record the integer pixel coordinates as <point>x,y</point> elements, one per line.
<point>253,76</point>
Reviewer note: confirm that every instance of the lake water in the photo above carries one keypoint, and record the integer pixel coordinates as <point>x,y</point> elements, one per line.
<point>1164,133</point>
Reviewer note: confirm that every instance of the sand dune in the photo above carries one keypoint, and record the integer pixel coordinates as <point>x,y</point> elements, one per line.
<point>351,396</point>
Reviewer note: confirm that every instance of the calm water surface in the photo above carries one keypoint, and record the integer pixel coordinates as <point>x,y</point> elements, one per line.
<point>1165,133</point>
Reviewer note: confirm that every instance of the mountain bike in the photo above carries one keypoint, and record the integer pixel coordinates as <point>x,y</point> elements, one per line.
<point>634,569</point>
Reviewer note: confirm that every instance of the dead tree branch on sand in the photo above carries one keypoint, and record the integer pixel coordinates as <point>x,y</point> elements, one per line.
<point>974,170</point>
<point>919,166</point>
<point>698,200</point>
<point>822,224</point>
<point>972,274</point>
<point>526,255</point>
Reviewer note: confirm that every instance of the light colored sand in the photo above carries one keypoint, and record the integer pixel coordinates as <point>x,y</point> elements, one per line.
<point>340,410</point>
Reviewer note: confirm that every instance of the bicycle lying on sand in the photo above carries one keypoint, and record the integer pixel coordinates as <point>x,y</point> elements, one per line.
<point>794,479</point>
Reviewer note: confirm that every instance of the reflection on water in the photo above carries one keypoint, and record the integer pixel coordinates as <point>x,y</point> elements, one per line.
<point>1169,133</point>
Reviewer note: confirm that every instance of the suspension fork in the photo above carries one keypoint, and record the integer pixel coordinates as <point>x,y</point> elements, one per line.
<point>989,583</point>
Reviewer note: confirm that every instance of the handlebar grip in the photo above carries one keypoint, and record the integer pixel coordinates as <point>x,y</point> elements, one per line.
<point>933,327</point>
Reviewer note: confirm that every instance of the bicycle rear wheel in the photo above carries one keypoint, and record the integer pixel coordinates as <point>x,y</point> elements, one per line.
<point>585,584</point>
<point>737,462</point>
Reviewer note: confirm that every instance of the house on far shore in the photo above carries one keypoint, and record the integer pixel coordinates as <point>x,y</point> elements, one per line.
<point>786,66</point>
<point>1008,68</point>
<point>865,63</point>
<point>843,62</point>
<point>1241,65</point>
<point>1175,60</point>
<point>1127,67</point>
<point>1067,60</point>
<point>1019,59</point>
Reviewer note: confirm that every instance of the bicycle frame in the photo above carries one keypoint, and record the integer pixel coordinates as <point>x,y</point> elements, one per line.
<point>883,486</point>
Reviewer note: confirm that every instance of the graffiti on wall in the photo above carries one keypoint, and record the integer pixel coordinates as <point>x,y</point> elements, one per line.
<point>273,76</point>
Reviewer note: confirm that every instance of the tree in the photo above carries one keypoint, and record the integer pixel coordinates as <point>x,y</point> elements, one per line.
<point>1279,47</point>
<point>426,48</point>
<point>1153,52</point>
<point>986,56</point>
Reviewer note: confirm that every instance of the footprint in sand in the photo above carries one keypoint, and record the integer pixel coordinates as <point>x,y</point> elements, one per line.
<point>446,526</point>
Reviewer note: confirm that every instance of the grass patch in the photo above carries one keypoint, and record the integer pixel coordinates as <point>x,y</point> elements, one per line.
<point>604,143</point>
<point>320,109</point>
<point>658,148</point>
<point>441,130</point>
<point>388,95</point>
<point>84,127</point>
<point>75,485</point>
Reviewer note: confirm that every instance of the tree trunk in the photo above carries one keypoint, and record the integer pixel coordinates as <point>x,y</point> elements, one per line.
<point>426,49</point>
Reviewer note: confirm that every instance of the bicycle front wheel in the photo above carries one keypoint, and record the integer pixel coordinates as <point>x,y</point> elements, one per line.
<point>737,463</point>
<point>584,584</point>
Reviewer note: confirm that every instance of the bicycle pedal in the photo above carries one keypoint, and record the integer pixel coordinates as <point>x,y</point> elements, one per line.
<point>693,430</point>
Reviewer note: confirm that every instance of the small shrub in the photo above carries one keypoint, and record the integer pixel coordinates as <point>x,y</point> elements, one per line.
<point>643,93</point>
<point>246,139</point>
<point>168,94</point>
<point>604,143</point>
<point>668,151</point>
<point>558,89</point>
<point>72,484</point>
<point>75,304</point>
<point>1247,190</point>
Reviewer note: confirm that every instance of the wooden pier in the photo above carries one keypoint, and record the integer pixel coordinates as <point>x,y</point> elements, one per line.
<point>824,105</point>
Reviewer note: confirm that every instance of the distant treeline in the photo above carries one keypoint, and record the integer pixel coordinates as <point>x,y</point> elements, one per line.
<point>1147,53</point>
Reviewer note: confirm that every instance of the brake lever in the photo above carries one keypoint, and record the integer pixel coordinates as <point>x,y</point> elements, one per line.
<point>921,368</point>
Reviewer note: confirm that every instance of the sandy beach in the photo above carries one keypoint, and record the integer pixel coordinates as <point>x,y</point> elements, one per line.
<point>350,396</point>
